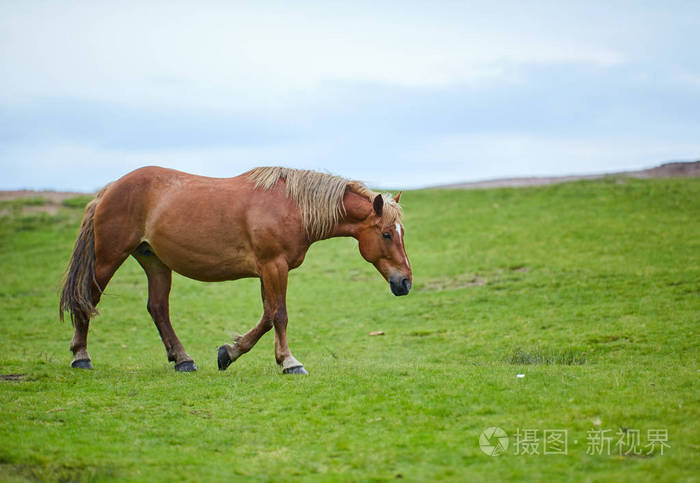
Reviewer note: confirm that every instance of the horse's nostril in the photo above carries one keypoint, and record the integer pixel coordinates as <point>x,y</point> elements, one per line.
<point>400,286</point>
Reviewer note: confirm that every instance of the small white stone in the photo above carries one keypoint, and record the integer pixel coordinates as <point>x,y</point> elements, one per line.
<point>520,376</point>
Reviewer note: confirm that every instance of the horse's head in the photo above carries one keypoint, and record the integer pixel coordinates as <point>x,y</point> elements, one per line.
<point>381,243</point>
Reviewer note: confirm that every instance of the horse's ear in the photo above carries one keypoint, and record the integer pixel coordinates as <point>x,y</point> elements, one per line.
<point>398,196</point>
<point>378,205</point>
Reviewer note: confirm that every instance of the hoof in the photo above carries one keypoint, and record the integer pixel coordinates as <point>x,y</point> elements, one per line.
<point>82,364</point>
<point>223,359</point>
<point>187,366</point>
<point>295,370</point>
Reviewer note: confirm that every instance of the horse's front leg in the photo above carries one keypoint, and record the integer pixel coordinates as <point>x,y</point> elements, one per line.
<point>283,355</point>
<point>276,293</point>
<point>273,278</point>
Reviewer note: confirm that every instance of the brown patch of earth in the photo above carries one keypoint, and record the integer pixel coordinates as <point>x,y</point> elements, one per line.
<point>52,200</point>
<point>11,377</point>
<point>452,283</point>
<point>689,169</point>
<point>50,196</point>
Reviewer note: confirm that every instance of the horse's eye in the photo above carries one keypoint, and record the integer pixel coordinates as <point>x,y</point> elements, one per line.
<point>387,235</point>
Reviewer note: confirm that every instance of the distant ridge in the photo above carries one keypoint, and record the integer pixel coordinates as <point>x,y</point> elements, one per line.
<point>676,169</point>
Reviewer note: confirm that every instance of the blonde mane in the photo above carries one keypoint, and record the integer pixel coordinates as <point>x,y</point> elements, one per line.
<point>320,197</point>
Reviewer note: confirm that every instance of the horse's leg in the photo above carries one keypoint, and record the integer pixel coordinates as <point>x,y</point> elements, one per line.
<point>273,278</point>
<point>159,282</point>
<point>277,294</point>
<point>228,353</point>
<point>104,270</point>
<point>283,355</point>
<point>78,345</point>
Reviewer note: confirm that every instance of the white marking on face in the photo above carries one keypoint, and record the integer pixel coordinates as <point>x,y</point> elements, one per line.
<point>399,231</point>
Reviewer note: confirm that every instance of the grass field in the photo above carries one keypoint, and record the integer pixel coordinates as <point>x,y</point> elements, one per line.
<point>591,290</point>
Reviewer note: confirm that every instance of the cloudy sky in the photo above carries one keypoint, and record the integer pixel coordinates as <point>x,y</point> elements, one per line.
<point>397,94</point>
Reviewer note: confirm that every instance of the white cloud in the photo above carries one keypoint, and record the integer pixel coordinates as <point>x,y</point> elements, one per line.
<point>451,159</point>
<point>85,167</point>
<point>234,55</point>
<point>442,160</point>
<point>358,88</point>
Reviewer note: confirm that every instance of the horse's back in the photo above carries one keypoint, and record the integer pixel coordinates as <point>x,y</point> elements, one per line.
<point>204,228</point>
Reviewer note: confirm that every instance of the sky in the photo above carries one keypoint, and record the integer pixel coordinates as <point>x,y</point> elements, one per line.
<point>398,94</point>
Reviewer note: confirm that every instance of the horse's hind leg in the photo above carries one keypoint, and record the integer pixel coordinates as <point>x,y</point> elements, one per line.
<point>104,270</point>
<point>78,345</point>
<point>159,282</point>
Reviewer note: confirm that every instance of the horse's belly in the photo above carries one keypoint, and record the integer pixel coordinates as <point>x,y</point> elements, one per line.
<point>214,270</point>
<point>209,260</point>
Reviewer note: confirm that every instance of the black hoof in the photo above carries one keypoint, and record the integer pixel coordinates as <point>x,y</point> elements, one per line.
<point>295,370</point>
<point>187,366</point>
<point>82,364</point>
<point>223,359</point>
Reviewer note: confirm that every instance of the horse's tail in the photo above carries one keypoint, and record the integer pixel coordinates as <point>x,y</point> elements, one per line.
<point>76,296</point>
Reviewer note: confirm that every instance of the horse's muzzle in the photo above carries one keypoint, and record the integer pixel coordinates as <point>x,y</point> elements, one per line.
<point>400,285</point>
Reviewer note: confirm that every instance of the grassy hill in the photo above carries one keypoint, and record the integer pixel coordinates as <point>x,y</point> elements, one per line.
<point>569,311</point>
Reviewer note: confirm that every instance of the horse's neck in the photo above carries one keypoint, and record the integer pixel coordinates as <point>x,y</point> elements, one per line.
<point>357,209</point>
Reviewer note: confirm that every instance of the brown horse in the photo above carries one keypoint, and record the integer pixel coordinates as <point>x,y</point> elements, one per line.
<point>259,224</point>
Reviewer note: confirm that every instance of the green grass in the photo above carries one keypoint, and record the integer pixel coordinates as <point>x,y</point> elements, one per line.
<point>77,201</point>
<point>20,202</point>
<point>589,289</point>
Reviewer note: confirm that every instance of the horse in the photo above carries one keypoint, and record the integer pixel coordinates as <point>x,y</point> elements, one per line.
<point>258,224</point>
